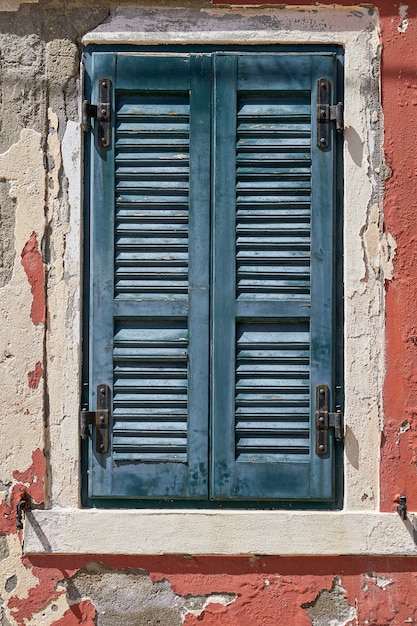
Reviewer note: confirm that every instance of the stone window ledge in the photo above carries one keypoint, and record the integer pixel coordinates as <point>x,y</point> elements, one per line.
<point>203,532</point>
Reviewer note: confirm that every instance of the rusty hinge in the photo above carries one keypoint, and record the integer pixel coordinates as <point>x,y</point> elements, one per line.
<point>99,418</point>
<point>327,113</point>
<point>101,112</point>
<point>326,420</point>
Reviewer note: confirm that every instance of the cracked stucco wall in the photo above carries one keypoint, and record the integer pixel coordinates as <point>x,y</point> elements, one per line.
<point>40,266</point>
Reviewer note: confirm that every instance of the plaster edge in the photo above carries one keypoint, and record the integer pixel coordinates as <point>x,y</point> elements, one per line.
<point>206,532</point>
<point>202,25</point>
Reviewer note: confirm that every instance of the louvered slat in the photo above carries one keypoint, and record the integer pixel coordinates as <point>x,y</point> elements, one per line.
<point>151,263</point>
<point>273,239</point>
<point>272,391</point>
<point>273,198</point>
<point>152,189</point>
<point>150,391</point>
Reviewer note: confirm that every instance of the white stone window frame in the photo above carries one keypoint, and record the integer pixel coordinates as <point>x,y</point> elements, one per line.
<point>359,528</point>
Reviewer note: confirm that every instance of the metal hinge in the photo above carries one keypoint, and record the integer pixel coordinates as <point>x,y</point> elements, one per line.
<point>326,420</point>
<point>327,113</point>
<point>101,112</point>
<point>99,418</point>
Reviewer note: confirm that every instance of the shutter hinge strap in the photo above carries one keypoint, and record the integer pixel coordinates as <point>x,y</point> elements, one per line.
<point>327,113</point>
<point>325,420</point>
<point>99,418</point>
<point>100,112</point>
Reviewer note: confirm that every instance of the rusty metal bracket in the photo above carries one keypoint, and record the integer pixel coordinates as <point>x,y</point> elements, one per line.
<point>327,113</point>
<point>99,418</point>
<point>23,505</point>
<point>325,420</point>
<point>101,112</point>
<point>402,508</point>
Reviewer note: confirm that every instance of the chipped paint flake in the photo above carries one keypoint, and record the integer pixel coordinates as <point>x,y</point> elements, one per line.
<point>83,612</point>
<point>11,6</point>
<point>330,607</point>
<point>33,266</point>
<point>403,18</point>
<point>380,581</point>
<point>35,375</point>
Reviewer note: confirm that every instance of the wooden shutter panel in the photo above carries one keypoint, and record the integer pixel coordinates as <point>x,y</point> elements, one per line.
<point>272,320</point>
<point>149,266</point>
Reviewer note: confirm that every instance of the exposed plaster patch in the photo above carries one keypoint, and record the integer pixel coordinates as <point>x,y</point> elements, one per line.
<point>140,600</point>
<point>403,8</point>
<point>371,235</point>
<point>8,6</point>
<point>4,548</point>
<point>379,247</point>
<point>29,483</point>
<point>10,583</point>
<point>380,581</point>
<point>331,608</point>
<point>404,426</point>
<point>71,159</point>
<point>223,24</point>
<point>215,598</point>
<point>25,579</point>
<point>7,218</point>
<point>388,248</point>
<point>54,154</point>
<point>22,337</point>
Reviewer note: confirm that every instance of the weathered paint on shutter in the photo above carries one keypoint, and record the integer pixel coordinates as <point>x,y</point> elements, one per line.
<point>149,324</point>
<point>271,248</point>
<point>272,278</point>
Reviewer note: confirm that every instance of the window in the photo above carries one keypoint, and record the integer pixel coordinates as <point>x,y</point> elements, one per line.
<point>213,263</point>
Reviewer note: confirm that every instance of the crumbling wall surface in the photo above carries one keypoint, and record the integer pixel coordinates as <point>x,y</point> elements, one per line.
<point>39,363</point>
<point>176,591</point>
<point>399,443</point>
<point>39,82</point>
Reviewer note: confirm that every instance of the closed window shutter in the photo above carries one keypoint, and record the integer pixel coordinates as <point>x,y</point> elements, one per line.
<point>212,253</point>
<point>150,272</point>
<point>273,284</point>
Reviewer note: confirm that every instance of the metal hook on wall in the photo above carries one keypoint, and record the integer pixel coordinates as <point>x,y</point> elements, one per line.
<point>402,507</point>
<point>22,506</point>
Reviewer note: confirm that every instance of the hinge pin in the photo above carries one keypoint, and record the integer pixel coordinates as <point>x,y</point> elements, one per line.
<point>327,113</point>
<point>101,112</point>
<point>402,508</point>
<point>99,418</point>
<point>326,420</point>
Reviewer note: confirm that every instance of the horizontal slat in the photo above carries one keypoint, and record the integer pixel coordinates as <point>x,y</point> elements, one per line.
<point>152,187</point>
<point>272,395</point>
<point>150,391</point>
<point>273,195</point>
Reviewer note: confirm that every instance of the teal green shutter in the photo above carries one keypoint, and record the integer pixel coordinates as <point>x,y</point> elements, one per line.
<point>149,268</point>
<point>211,297</point>
<point>272,321</point>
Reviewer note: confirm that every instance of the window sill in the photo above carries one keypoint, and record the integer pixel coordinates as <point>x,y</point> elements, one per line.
<point>202,532</point>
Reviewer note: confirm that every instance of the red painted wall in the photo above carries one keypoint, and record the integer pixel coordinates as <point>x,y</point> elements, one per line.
<point>269,591</point>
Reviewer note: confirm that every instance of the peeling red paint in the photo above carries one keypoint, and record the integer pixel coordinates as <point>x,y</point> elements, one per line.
<point>399,89</point>
<point>30,483</point>
<point>269,590</point>
<point>33,266</point>
<point>35,375</point>
<point>23,609</point>
<point>33,477</point>
<point>82,613</point>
